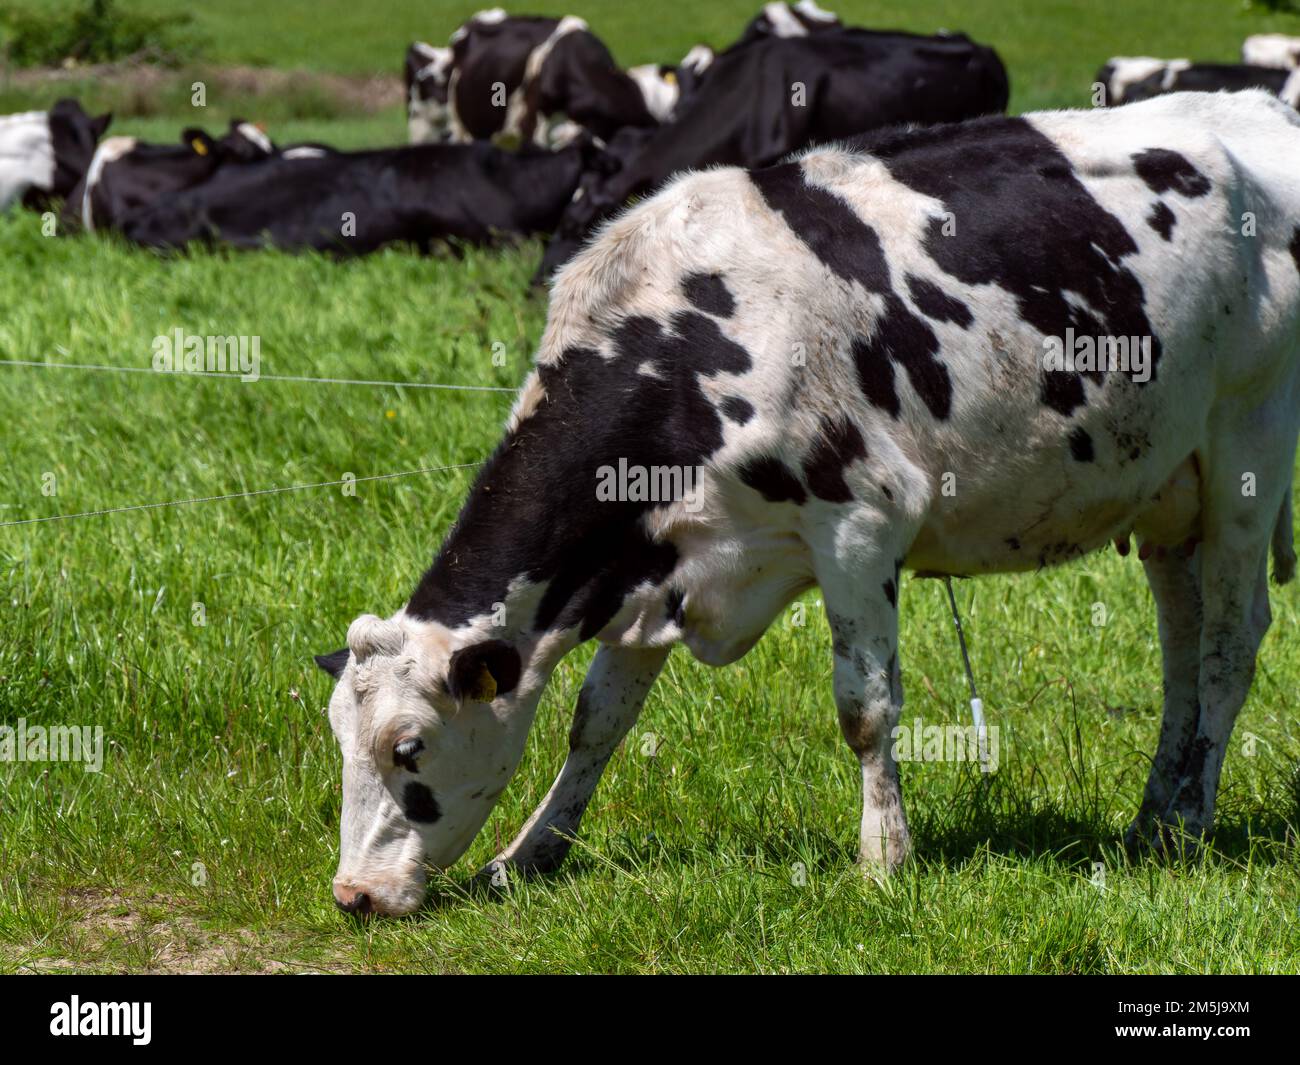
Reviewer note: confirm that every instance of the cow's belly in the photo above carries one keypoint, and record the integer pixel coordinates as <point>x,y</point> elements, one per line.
<point>1009,534</point>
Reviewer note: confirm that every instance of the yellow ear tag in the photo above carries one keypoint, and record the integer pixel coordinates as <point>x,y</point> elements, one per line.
<point>199,146</point>
<point>485,686</point>
<point>670,76</point>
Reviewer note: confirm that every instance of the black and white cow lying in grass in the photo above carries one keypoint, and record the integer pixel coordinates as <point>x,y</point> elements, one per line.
<point>127,175</point>
<point>856,358</point>
<point>1128,79</point>
<point>353,203</point>
<point>43,154</point>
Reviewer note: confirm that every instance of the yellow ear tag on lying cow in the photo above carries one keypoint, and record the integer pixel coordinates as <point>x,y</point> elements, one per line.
<point>199,146</point>
<point>670,76</point>
<point>485,686</point>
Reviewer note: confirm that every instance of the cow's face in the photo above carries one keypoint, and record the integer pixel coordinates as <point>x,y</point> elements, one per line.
<point>428,743</point>
<point>658,86</point>
<point>428,84</point>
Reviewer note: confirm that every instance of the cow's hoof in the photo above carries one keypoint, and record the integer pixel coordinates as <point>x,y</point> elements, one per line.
<point>502,871</point>
<point>878,863</point>
<point>1168,838</point>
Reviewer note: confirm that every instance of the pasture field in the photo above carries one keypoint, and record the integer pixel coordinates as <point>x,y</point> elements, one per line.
<point>723,835</point>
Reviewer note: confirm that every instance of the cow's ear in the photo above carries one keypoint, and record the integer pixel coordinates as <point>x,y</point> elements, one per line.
<point>483,671</point>
<point>200,143</point>
<point>99,126</point>
<point>335,662</point>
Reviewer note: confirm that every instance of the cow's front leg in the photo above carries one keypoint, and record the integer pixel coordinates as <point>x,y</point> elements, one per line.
<point>608,705</point>
<point>861,606</point>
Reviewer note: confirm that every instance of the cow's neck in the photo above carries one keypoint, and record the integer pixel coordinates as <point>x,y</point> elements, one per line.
<point>534,549</point>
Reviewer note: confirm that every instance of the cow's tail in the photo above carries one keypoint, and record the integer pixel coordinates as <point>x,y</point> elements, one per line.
<point>1283,543</point>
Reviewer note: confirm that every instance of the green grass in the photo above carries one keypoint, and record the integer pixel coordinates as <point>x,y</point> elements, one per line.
<point>732,848</point>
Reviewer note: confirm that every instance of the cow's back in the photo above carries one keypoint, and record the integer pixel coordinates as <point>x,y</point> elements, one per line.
<point>914,284</point>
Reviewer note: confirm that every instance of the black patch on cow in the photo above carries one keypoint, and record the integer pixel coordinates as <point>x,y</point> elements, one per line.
<point>533,510</point>
<point>934,303</point>
<point>851,250</point>
<point>773,479</point>
<point>1295,246</point>
<point>875,377</point>
<point>709,293</point>
<point>1025,223</point>
<point>1081,445</point>
<point>838,444</point>
<point>891,592</point>
<point>676,606</point>
<point>496,656</point>
<point>335,662</point>
<point>737,409</point>
<point>1162,219</point>
<point>419,804</point>
<point>1164,170</point>
<point>1013,542</point>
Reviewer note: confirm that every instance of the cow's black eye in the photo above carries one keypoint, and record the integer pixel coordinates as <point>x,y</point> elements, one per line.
<point>405,751</point>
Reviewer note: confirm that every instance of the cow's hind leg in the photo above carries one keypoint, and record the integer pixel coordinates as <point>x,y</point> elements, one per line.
<point>1239,514</point>
<point>1234,583</point>
<point>1176,587</point>
<point>610,701</point>
<point>861,599</point>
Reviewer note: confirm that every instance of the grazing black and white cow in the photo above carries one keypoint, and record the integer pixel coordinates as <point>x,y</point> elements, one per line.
<point>573,74</point>
<point>43,154</point>
<point>352,203</point>
<point>428,106</point>
<point>510,77</point>
<point>824,372</point>
<point>1133,79</point>
<point>779,94</point>
<point>126,175</point>
<point>489,55</point>
<point>1271,50</point>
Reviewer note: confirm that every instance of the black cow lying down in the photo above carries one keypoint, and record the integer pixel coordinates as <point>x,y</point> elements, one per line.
<point>126,175</point>
<point>353,203</point>
<point>750,111</point>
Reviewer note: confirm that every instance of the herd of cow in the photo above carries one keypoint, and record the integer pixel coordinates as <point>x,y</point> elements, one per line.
<point>521,126</point>
<point>526,125</point>
<point>858,352</point>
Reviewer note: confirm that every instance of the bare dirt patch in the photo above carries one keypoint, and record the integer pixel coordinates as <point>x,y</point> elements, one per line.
<point>144,83</point>
<point>111,932</point>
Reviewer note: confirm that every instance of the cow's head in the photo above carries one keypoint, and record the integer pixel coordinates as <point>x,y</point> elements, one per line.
<point>430,737</point>
<point>245,142</point>
<point>73,136</point>
<point>659,88</point>
<point>428,85</point>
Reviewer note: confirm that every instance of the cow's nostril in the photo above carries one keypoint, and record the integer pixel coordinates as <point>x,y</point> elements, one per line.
<point>358,905</point>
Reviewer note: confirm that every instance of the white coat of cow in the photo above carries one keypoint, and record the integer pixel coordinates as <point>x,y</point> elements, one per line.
<point>829,342</point>
<point>1271,50</point>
